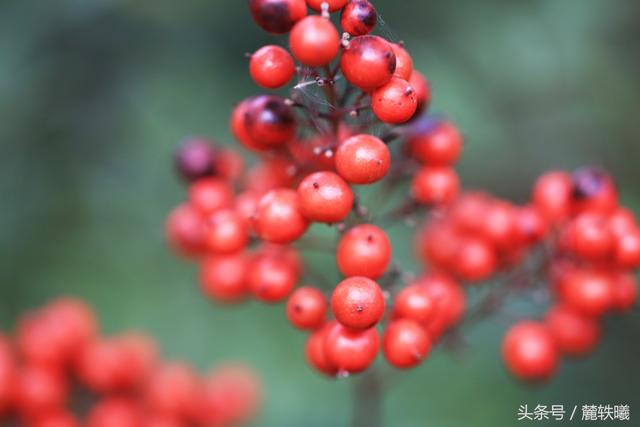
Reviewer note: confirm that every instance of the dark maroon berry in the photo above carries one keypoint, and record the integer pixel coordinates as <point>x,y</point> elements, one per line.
<point>195,159</point>
<point>358,17</point>
<point>270,121</point>
<point>277,16</point>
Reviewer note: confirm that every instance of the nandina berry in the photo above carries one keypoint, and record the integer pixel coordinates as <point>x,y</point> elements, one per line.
<point>246,205</point>
<point>575,334</point>
<point>421,86</point>
<point>271,278</point>
<point>358,303</point>
<point>593,191</point>
<point>622,221</point>
<point>307,308</point>
<point>358,17</point>
<point>277,16</point>
<point>103,366</point>
<point>552,195</point>
<point>185,230</point>
<point>588,292</point>
<point>435,185</point>
<point>351,351</point>
<point>368,62</point>
<point>8,375</point>
<point>115,411</point>
<point>224,277</point>
<point>209,195</point>
<point>279,217</point>
<point>229,164</point>
<point>142,354</point>
<point>530,352</point>
<point>271,67</point>
<point>269,121</point>
<point>499,226</point>
<point>314,41</point>
<point>315,350</point>
<point>404,62</point>
<point>226,232</point>
<point>238,126</point>
<point>625,292</point>
<point>467,214</point>
<point>475,260</point>
<point>325,197</point>
<point>60,418</point>
<point>627,249</point>
<point>40,389</point>
<point>364,250</point>
<point>436,143</point>
<point>414,302</point>
<point>287,254</point>
<point>171,390</point>
<point>315,152</point>
<point>332,5</point>
<point>405,343</point>
<point>195,158</point>
<point>363,159</point>
<point>395,102</point>
<point>531,226</point>
<point>156,420</point>
<point>438,242</point>
<point>450,302</point>
<point>589,236</point>
<point>270,174</point>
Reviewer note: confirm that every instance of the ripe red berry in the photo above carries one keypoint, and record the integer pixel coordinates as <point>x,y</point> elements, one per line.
<point>476,260</point>
<point>226,232</point>
<point>421,86</point>
<point>104,366</point>
<point>325,197</point>
<point>358,17</point>
<point>224,277</point>
<point>552,195</point>
<point>269,121</point>
<point>593,191</point>
<point>450,302</point>
<point>307,308</point>
<point>270,174</point>
<point>358,303</point>
<point>404,62</point>
<point>246,205</point>
<point>395,102</point>
<point>332,4</point>
<point>351,351</point>
<point>368,62</point>
<point>59,418</point>
<point>279,217</point>
<point>405,343</point>
<point>363,159</point>
<point>627,250</point>
<point>499,226</point>
<point>316,353</point>
<point>314,41</point>
<point>271,67</point>
<point>531,226</point>
<point>277,16</point>
<point>414,302</point>
<point>40,389</point>
<point>436,143</point>
<point>622,221</point>
<point>530,352</point>
<point>272,278</point>
<point>115,411</point>
<point>435,185</point>
<point>209,195</point>
<point>588,292</point>
<point>238,126</point>
<point>364,250</point>
<point>575,334</point>
<point>195,158</point>
<point>589,236</point>
<point>8,374</point>
<point>185,230</point>
<point>171,390</point>
<point>625,292</point>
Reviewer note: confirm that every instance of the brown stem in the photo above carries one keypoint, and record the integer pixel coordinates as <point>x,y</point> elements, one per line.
<point>368,400</point>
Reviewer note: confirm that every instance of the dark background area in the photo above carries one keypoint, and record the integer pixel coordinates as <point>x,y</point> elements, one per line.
<point>95,94</point>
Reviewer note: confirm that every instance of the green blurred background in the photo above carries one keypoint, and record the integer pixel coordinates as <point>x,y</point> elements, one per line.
<point>94,95</point>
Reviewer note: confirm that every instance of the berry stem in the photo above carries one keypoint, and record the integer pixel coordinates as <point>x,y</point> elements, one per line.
<point>368,400</point>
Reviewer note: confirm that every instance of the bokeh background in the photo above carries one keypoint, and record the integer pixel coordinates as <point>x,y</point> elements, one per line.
<point>94,95</point>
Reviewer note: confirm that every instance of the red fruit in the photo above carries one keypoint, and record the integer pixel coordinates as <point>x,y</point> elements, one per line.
<point>575,334</point>
<point>57,419</point>
<point>530,352</point>
<point>269,121</point>
<point>622,222</point>
<point>314,41</point>
<point>279,217</point>
<point>406,343</point>
<point>450,302</point>
<point>8,372</point>
<point>115,412</point>
<point>351,351</point>
<point>588,292</point>
<point>404,63</point>
<point>195,158</point>
<point>40,389</point>
<point>364,250</point>
<point>271,67</point>
<point>209,195</point>
<point>475,260</point>
<point>171,390</point>
<point>627,250</point>
<point>277,16</point>
<point>531,226</point>
<point>625,292</point>
<point>368,62</point>
<point>358,303</point>
<point>332,4</point>
<point>552,195</point>
<point>307,308</point>
<point>226,232</point>
<point>395,102</point>
<point>271,278</point>
<point>325,197</point>
<point>499,225</point>
<point>246,205</point>
<point>593,191</point>
<point>185,230</point>
<point>224,278</point>
<point>239,128</point>
<point>414,303</point>
<point>363,159</point>
<point>142,354</point>
<point>435,185</point>
<point>315,350</point>
<point>438,244</point>
<point>160,421</point>
<point>229,164</point>
<point>358,17</point>
<point>421,86</point>
<point>103,366</point>
<point>589,236</point>
<point>270,174</point>
<point>467,213</point>
<point>438,145</point>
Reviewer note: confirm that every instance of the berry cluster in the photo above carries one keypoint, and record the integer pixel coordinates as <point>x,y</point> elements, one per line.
<point>58,371</point>
<point>246,227</point>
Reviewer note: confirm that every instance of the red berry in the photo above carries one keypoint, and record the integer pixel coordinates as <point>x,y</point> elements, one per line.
<point>195,158</point>
<point>358,17</point>
<point>531,226</point>
<point>57,419</point>
<point>314,41</point>
<point>406,343</point>
<point>325,197</point>
<point>270,174</point>
<point>307,308</point>
<point>395,102</point>
<point>622,222</point>
<point>40,389</point>
<point>272,278</point>
<point>316,353</point>
<point>368,62</point>
<point>415,303</point>
<point>625,292</point>
<point>594,191</point>
<point>358,303</point>
<point>404,63</point>
<point>351,351</point>
<point>589,236</point>
<point>421,86</point>
<point>171,390</point>
<point>277,16</point>
<point>226,232</point>
<point>115,411</point>
<point>279,217</point>
<point>575,334</point>
<point>332,4</point>
<point>224,278</point>
<point>271,67</point>
<point>185,230</point>
<point>365,250</point>
<point>363,159</point>
<point>475,260</point>
<point>104,366</point>
<point>552,195</point>
<point>239,127</point>
<point>627,250</point>
<point>588,292</point>
<point>269,121</point>
<point>435,185</point>
<point>8,375</point>
<point>209,195</point>
<point>439,144</point>
<point>246,205</point>
<point>450,302</point>
<point>499,225</point>
<point>229,164</point>
<point>530,352</point>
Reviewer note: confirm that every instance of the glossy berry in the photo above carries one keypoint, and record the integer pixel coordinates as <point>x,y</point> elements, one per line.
<point>414,302</point>
<point>476,260</point>
<point>364,250</point>
<point>531,226</point>
<point>575,334</point>
<point>271,67</point>
<point>8,374</point>
<point>224,277</point>
<point>279,217</point>
<point>351,351</point>
<point>627,250</point>
<point>209,195</point>
<point>395,102</point>
<point>421,86</point>
<point>552,195</point>
<point>269,121</point>
<point>588,292</point>
<point>277,16</point>
<point>332,4</point>
<point>590,237</point>
<point>171,390</point>
<point>368,62</point>
<point>238,126</point>
<point>40,389</point>
<point>271,278</point>
<point>499,226</point>
<point>226,232</point>
<point>358,18</point>
<point>625,293</point>
<point>314,41</point>
<point>59,418</point>
<point>593,191</point>
<point>404,62</point>
<point>436,143</point>
<point>325,197</point>
<point>358,303</point>
<point>363,159</point>
<point>185,230</point>
<point>307,308</point>
<point>530,352</point>
<point>405,343</point>
<point>195,158</point>
<point>316,352</point>
<point>114,411</point>
<point>450,302</point>
<point>435,185</point>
